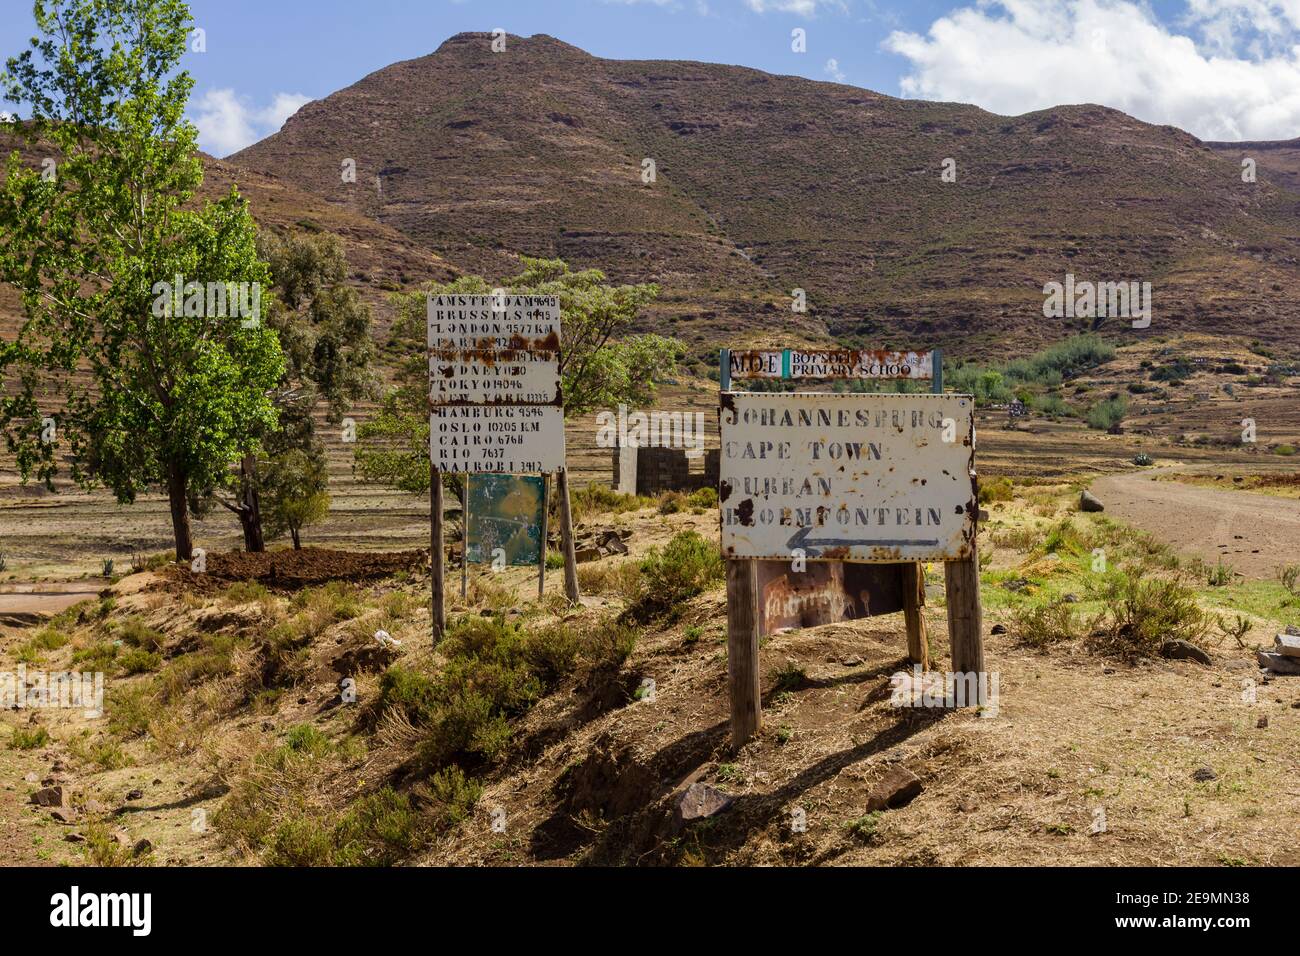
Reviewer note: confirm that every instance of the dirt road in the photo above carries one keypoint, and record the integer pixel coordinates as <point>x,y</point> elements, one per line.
<point>1255,533</point>
<point>24,604</point>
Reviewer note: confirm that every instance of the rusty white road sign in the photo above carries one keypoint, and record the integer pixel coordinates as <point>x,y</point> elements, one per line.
<point>494,384</point>
<point>500,439</point>
<point>488,322</point>
<point>832,363</point>
<point>854,477</point>
<point>502,377</point>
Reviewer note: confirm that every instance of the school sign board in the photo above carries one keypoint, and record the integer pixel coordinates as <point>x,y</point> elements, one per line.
<point>830,363</point>
<point>494,384</point>
<point>875,478</point>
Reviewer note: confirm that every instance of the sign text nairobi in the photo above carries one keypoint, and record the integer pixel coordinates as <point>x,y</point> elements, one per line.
<point>847,476</point>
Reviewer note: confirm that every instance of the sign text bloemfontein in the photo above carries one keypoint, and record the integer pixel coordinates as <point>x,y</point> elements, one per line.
<point>494,384</point>
<point>854,477</point>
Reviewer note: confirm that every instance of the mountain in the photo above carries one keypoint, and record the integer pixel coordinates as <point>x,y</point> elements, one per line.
<point>769,183</point>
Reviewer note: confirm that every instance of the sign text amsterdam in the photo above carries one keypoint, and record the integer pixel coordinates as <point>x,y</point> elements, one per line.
<point>494,384</point>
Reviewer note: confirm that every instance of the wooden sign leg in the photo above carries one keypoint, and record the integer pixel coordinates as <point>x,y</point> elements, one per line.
<point>464,540</point>
<point>437,594</point>
<point>742,650</point>
<point>566,536</point>
<point>965,617</point>
<point>541,561</point>
<point>918,650</point>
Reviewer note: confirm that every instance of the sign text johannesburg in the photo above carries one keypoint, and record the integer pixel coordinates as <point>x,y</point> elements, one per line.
<point>855,477</point>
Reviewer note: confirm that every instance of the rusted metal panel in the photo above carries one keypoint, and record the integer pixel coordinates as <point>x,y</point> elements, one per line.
<point>511,377</point>
<point>825,592</point>
<point>855,477</point>
<point>831,363</point>
<point>505,519</point>
<point>494,384</point>
<point>494,322</point>
<point>501,439</point>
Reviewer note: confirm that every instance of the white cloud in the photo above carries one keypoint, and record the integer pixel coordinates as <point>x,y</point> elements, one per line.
<point>804,8</point>
<point>1015,56</point>
<point>227,123</point>
<point>833,70</point>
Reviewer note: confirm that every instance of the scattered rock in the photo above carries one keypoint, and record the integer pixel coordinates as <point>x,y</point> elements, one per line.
<point>897,787</point>
<point>1204,775</point>
<point>141,848</point>
<point>967,804</point>
<point>1277,663</point>
<point>998,629</point>
<point>853,661</point>
<point>1184,651</point>
<point>701,801</point>
<point>583,555</point>
<point>135,794</point>
<point>1090,502</point>
<point>1262,722</point>
<point>1069,599</point>
<point>74,838</point>
<point>48,797</point>
<point>63,816</point>
<point>1288,645</point>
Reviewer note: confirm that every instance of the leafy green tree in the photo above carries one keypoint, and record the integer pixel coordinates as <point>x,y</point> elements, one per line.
<point>295,494</point>
<point>324,330</point>
<point>151,394</point>
<point>600,366</point>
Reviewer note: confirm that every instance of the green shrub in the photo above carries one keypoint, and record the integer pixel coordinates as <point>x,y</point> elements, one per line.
<point>137,660</point>
<point>1040,625</point>
<point>1141,609</point>
<point>995,489</point>
<point>135,633</point>
<point>1107,413</point>
<point>29,738</point>
<point>688,565</point>
<point>1285,450</point>
<point>455,794</point>
<point>706,497</point>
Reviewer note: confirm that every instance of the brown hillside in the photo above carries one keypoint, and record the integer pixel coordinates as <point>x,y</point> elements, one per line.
<point>767,183</point>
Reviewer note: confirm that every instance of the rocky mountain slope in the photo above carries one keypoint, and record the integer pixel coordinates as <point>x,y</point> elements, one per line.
<point>767,183</point>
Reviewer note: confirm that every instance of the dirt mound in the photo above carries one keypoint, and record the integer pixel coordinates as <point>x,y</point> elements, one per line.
<point>297,569</point>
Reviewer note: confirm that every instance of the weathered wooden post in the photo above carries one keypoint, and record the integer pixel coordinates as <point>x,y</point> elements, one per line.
<point>566,536</point>
<point>743,676</point>
<point>965,615</point>
<point>437,609</point>
<point>541,558</point>
<point>918,650</point>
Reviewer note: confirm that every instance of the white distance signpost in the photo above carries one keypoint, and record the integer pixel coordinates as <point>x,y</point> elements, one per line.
<point>495,404</point>
<point>861,478</point>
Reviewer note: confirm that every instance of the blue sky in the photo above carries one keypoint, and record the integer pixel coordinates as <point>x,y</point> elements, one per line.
<point>1222,69</point>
